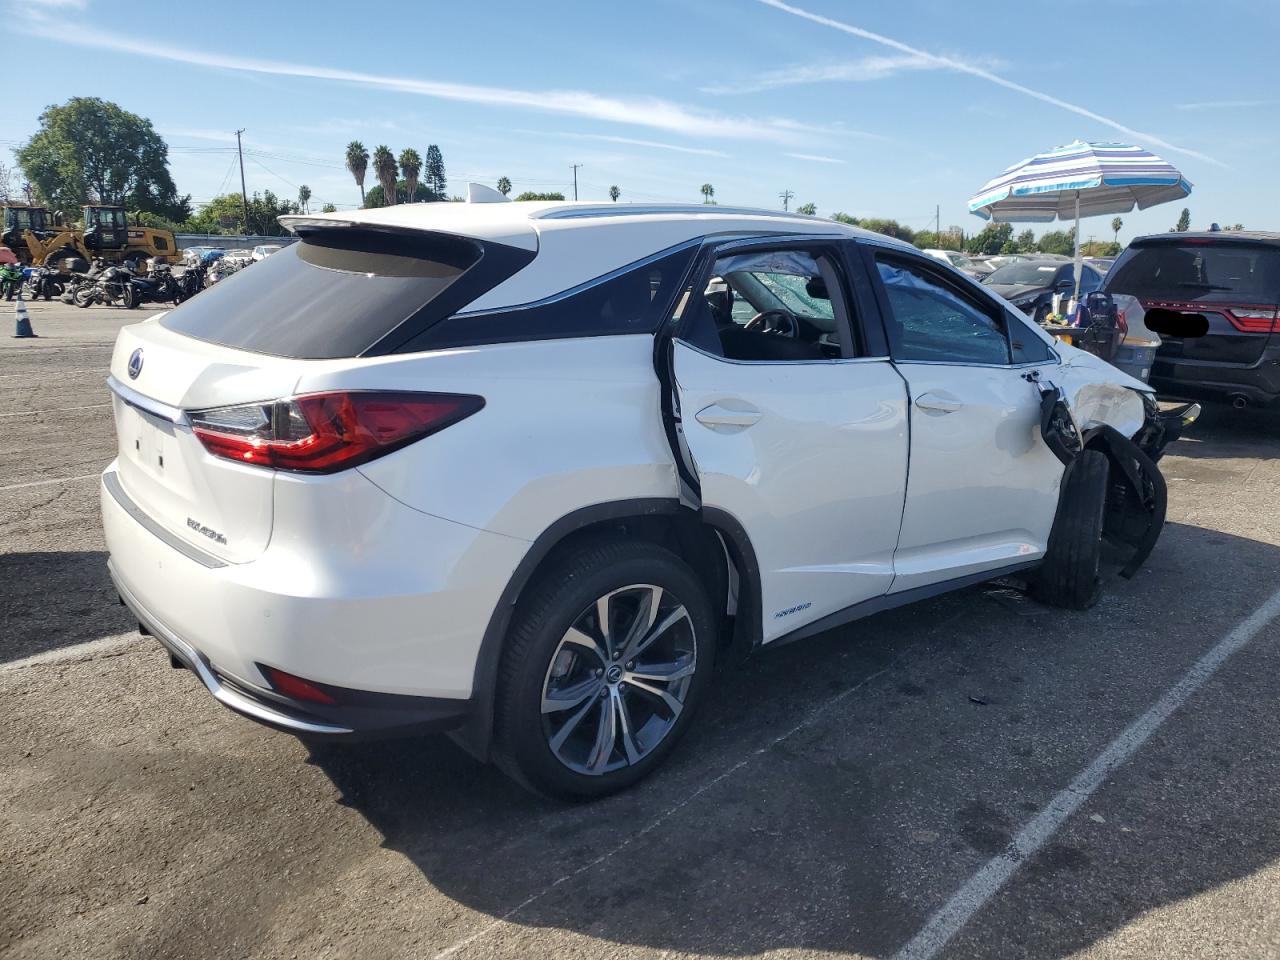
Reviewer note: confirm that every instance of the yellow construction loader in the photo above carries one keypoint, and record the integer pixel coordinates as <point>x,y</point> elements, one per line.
<point>105,232</point>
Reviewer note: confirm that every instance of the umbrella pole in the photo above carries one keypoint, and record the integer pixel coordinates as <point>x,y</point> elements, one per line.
<point>1076,293</point>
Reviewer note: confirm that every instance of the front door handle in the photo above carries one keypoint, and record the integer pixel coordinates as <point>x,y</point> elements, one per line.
<point>739,416</point>
<point>938,403</point>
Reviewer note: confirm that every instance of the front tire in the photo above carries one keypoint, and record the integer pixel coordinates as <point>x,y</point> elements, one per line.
<point>1069,575</point>
<point>606,662</point>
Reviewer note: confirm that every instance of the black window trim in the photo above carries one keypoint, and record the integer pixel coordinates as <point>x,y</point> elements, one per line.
<point>847,311</point>
<point>968,288</point>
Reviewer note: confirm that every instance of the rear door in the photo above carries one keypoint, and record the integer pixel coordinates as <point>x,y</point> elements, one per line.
<point>801,439</point>
<point>1234,283</point>
<point>983,486</point>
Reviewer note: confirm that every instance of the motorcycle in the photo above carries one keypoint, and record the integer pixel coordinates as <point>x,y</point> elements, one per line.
<point>192,281</point>
<point>113,286</point>
<point>10,280</point>
<point>157,285</point>
<point>44,282</point>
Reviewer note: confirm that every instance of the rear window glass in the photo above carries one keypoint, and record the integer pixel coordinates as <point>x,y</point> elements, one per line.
<point>326,296</point>
<point>635,299</point>
<point>1170,271</point>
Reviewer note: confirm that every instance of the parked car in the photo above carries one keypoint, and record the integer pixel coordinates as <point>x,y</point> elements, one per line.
<point>264,250</point>
<point>1031,284</point>
<point>193,255</point>
<point>965,265</point>
<point>675,433</point>
<point>1101,264</point>
<point>1213,299</point>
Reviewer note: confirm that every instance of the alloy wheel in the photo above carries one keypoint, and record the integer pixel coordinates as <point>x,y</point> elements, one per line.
<point>618,679</point>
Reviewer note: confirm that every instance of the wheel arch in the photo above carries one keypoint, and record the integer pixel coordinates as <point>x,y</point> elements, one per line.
<point>714,544</point>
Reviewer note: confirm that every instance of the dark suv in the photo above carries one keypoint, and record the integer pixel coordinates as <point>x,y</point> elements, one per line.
<point>1214,299</point>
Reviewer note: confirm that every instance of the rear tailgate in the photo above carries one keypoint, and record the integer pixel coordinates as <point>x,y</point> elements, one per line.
<point>222,507</point>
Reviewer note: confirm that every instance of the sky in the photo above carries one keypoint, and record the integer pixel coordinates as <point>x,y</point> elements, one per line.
<point>877,109</point>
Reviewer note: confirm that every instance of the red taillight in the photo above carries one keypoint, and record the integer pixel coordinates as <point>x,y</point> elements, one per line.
<point>1252,319</point>
<point>294,687</point>
<point>325,432</point>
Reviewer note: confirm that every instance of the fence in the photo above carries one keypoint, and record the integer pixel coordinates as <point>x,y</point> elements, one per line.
<point>228,241</point>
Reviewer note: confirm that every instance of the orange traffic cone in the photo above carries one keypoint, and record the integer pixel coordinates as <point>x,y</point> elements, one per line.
<point>23,320</point>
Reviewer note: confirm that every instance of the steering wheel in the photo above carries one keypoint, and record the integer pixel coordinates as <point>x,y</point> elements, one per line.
<point>779,323</point>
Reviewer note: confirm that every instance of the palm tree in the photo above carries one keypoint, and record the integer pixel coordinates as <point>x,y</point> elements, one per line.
<point>1116,224</point>
<point>504,186</point>
<point>614,193</point>
<point>410,166</point>
<point>708,191</point>
<point>384,168</point>
<point>304,198</point>
<point>357,163</point>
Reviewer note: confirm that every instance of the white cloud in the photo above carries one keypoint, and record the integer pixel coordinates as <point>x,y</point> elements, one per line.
<point>636,111</point>
<point>656,145</point>
<point>975,70</point>
<point>816,158</point>
<point>1225,104</point>
<point>851,71</point>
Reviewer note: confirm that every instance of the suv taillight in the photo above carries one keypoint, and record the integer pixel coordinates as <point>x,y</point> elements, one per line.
<point>326,432</point>
<point>1252,320</point>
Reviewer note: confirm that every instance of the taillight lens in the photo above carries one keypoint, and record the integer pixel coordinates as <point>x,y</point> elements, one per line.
<point>1258,320</point>
<point>326,432</point>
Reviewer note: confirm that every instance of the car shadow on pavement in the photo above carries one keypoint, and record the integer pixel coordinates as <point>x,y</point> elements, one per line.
<point>52,599</point>
<point>837,792</point>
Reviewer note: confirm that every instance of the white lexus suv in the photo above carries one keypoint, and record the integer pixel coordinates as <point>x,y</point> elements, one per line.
<point>523,471</point>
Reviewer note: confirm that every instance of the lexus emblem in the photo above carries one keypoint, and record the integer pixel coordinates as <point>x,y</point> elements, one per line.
<point>135,364</point>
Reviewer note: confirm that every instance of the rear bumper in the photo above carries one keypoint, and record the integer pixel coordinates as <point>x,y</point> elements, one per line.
<point>1258,382</point>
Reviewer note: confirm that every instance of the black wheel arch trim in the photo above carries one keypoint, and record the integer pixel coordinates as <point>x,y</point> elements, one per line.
<point>476,734</point>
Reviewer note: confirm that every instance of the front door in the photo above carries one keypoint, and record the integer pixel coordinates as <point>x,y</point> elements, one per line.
<point>793,433</point>
<point>983,485</point>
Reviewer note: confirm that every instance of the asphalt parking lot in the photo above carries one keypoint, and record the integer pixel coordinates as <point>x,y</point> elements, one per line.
<point>836,795</point>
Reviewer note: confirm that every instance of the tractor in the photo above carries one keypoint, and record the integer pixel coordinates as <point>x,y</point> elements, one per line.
<point>105,234</point>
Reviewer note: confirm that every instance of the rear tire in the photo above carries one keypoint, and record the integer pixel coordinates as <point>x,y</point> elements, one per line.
<point>1069,575</point>
<point>582,712</point>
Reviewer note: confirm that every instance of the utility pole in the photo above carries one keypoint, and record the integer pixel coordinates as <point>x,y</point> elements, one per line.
<point>244,194</point>
<point>575,180</point>
<point>937,222</point>
<point>785,196</point>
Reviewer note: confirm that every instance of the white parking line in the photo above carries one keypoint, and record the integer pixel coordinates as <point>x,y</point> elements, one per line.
<point>45,483</point>
<point>81,651</point>
<point>663,817</point>
<point>28,413</point>
<point>986,883</point>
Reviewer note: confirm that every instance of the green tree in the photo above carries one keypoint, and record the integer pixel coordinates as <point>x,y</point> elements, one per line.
<point>89,150</point>
<point>410,166</point>
<point>304,198</point>
<point>890,228</point>
<point>991,239</point>
<point>926,240</point>
<point>436,181</point>
<point>328,208</point>
<point>376,197</point>
<point>384,168</point>
<point>614,193</point>
<point>1057,241</point>
<point>808,209</point>
<point>707,191</point>
<point>1116,224</point>
<point>1184,220</point>
<point>845,218</point>
<point>225,214</point>
<point>1026,241</point>
<point>504,186</point>
<point>530,195</point>
<point>358,163</point>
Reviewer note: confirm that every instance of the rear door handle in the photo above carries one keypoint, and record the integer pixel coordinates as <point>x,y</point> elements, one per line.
<point>938,403</point>
<point>739,416</point>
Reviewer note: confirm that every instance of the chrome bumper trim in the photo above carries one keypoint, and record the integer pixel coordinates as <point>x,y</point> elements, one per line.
<point>111,480</point>
<point>195,661</point>
<point>144,403</point>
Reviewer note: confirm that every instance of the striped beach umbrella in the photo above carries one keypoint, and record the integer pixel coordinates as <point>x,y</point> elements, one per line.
<point>1080,180</point>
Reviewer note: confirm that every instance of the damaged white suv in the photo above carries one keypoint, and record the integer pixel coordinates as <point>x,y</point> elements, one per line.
<point>523,471</point>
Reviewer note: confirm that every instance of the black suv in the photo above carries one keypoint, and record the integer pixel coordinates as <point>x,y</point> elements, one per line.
<point>1214,298</point>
